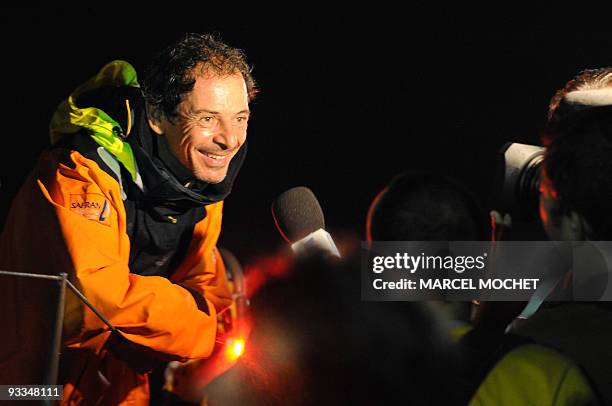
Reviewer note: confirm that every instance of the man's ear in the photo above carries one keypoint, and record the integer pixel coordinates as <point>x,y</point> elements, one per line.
<point>575,227</point>
<point>587,230</point>
<point>153,117</point>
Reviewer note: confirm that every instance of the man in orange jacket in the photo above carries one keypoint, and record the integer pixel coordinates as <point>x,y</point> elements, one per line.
<point>128,201</point>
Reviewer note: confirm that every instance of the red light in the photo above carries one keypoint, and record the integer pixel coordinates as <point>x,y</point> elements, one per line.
<point>235,348</point>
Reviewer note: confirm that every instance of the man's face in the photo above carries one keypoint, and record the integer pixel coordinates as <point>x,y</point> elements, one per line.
<point>210,127</point>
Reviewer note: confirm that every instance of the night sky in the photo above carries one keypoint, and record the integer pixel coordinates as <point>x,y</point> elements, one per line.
<point>345,103</point>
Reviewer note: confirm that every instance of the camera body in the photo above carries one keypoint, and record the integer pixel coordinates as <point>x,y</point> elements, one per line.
<point>518,180</point>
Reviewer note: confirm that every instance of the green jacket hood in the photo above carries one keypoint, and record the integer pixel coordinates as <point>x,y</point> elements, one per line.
<point>70,118</point>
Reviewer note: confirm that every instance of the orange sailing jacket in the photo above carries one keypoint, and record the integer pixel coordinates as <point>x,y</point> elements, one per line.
<point>82,211</point>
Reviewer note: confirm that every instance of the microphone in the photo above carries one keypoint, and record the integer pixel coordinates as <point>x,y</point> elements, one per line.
<point>300,221</point>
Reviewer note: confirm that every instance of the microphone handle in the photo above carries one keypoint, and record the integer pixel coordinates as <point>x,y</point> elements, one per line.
<point>319,240</point>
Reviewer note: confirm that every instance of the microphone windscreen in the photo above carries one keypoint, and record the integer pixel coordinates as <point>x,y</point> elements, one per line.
<point>297,213</point>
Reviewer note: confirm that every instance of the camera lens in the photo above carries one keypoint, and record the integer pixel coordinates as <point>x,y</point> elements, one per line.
<point>528,187</point>
<point>519,179</point>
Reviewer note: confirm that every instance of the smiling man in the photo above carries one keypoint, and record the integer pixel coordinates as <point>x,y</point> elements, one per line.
<point>128,202</point>
<point>210,126</point>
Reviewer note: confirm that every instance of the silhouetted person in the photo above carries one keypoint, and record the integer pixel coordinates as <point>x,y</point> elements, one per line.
<point>424,206</point>
<point>315,342</point>
<point>560,355</point>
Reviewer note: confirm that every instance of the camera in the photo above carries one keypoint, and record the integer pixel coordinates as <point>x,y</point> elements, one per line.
<point>518,179</point>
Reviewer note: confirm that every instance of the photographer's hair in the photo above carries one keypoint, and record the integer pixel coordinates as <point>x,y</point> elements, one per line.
<point>587,79</point>
<point>173,71</point>
<point>426,207</point>
<point>578,162</point>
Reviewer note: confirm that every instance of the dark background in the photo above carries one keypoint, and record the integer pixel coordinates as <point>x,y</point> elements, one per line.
<point>345,102</point>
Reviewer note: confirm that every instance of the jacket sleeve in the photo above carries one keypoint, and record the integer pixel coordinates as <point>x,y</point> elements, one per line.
<point>203,270</point>
<point>148,310</point>
<point>532,374</point>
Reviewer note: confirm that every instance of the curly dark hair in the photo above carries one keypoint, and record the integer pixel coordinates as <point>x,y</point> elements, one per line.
<point>172,72</point>
<point>422,206</point>
<point>578,161</point>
